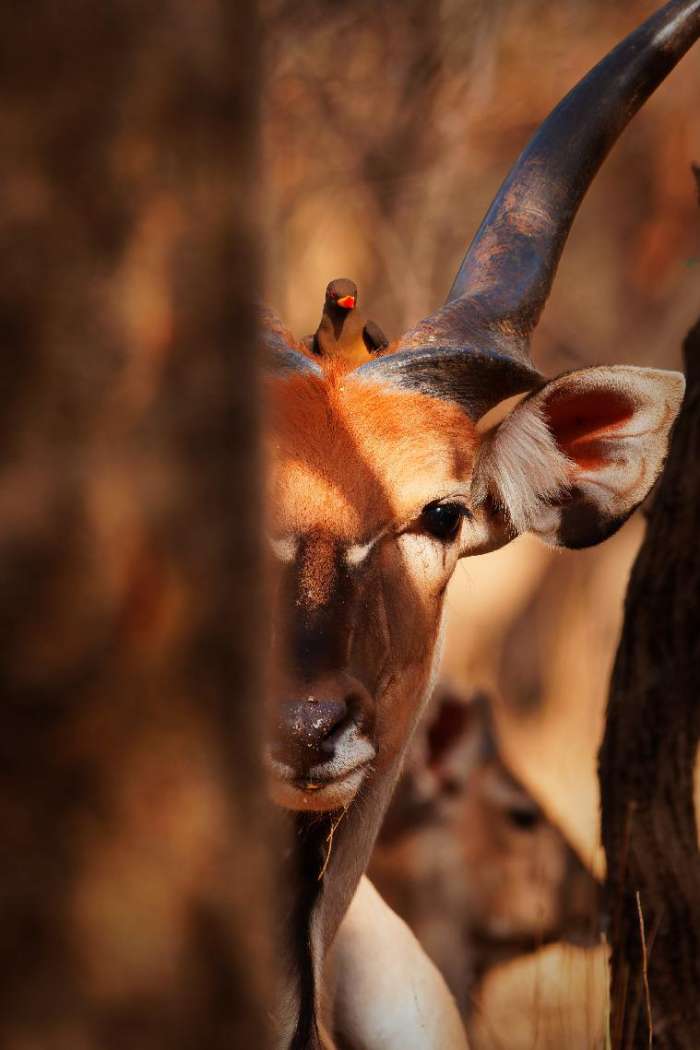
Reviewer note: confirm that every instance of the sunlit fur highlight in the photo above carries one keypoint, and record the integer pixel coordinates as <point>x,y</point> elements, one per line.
<point>351,458</point>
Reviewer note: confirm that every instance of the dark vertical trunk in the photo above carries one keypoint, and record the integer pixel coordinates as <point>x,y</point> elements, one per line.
<point>133,887</point>
<point>647,762</point>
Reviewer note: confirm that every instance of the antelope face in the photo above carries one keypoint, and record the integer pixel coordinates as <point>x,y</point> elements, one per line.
<point>525,884</point>
<point>469,859</point>
<point>370,508</point>
<point>375,492</point>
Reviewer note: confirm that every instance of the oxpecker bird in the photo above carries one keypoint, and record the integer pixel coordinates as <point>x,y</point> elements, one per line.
<point>342,331</point>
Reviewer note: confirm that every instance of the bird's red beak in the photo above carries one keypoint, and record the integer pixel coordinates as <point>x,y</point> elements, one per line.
<point>347,302</point>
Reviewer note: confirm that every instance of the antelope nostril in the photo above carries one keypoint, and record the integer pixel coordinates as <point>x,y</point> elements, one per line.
<point>330,720</point>
<point>308,729</point>
<point>356,708</point>
<point>322,721</point>
<point>334,733</point>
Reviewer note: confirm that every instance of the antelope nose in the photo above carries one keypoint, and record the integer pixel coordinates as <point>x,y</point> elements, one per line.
<point>308,729</point>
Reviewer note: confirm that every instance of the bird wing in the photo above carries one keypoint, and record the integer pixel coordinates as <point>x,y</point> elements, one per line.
<point>374,337</point>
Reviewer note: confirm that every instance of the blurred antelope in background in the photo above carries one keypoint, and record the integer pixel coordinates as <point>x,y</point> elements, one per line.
<point>380,480</point>
<point>469,858</point>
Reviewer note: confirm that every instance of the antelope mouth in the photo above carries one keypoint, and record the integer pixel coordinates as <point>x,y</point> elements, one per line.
<point>321,788</point>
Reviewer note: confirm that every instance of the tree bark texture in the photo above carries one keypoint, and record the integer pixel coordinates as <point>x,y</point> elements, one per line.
<point>134,891</point>
<point>647,763</point>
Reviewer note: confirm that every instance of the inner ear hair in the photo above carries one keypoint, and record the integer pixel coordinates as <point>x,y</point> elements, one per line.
<point>491,419</point>
<point>520,467</point>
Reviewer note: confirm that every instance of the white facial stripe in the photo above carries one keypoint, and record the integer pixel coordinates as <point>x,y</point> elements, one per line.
<point>426,559</point>
<point>356,554</point>
<point>285,548</point>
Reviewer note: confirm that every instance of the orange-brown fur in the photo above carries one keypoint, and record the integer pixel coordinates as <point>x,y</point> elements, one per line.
<point>352,458</point>
<point>317,573</point>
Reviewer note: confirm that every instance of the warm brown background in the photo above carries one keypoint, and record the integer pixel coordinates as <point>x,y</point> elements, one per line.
<point>133,904</point>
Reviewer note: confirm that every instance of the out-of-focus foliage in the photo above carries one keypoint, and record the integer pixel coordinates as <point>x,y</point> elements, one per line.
<point>129,685</point>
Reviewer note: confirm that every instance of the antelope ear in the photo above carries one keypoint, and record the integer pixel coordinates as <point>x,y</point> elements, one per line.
<point>458,737</point>
<point>573,460</point>
<point>449,724</point>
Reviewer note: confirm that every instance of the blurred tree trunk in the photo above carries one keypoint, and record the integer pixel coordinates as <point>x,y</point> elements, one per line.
<point>647,763</point>
<point>133,887</point>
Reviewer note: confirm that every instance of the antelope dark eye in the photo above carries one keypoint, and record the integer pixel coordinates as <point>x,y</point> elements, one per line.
<point>523,818</point>
<point>442,520</point>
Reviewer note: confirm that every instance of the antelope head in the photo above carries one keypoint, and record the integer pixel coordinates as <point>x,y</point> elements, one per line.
<point>380,479</point>
<point>468,857</point>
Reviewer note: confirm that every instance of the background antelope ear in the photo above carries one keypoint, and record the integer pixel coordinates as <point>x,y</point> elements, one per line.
<point>572,461</point>
<point>459,736</point>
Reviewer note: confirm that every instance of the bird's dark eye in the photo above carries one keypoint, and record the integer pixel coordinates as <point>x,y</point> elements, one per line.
<point>442,520</point>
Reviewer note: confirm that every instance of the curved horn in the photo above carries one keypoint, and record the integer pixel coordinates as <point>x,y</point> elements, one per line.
<point>503,283</point>
<point>512,260</point>
<point>281,352</point>
<point>507,273</point>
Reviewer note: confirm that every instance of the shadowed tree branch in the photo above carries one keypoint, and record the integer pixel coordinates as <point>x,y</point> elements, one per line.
<point>647,762</point>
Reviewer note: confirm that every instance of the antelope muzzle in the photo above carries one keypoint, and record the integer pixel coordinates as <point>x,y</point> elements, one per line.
<point>321,744</point>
